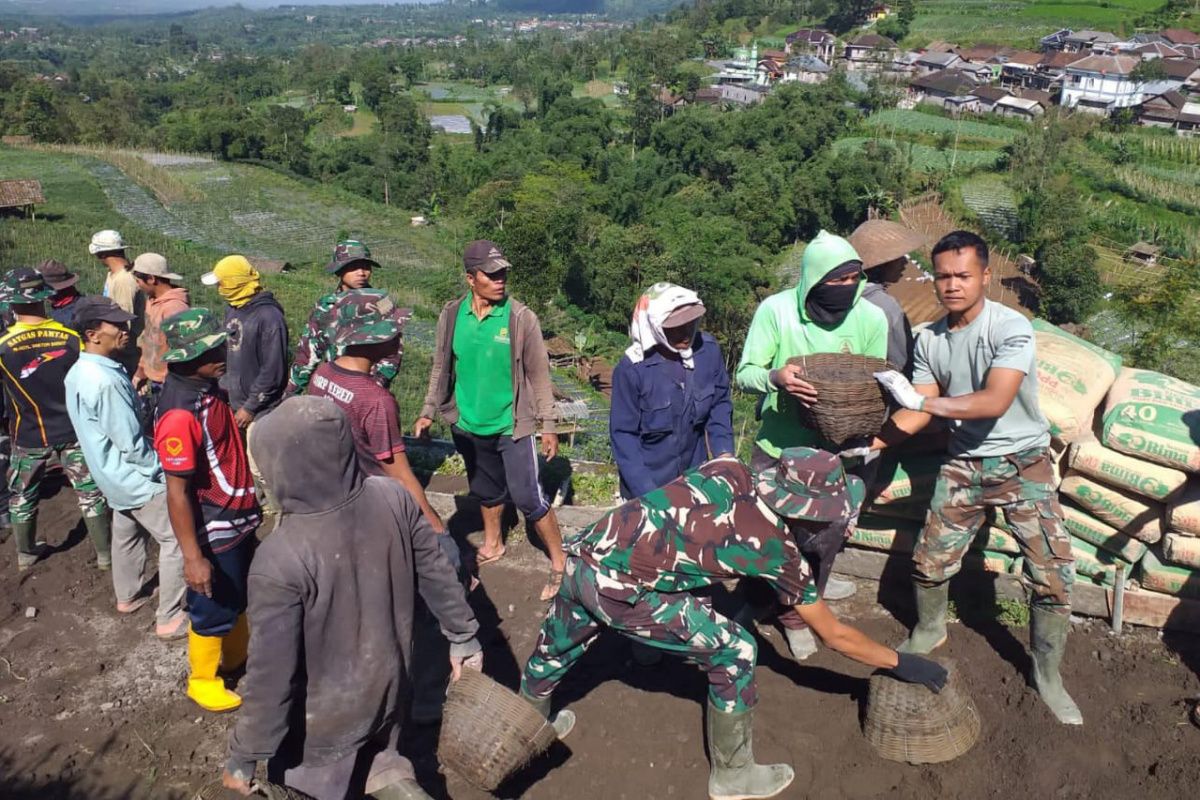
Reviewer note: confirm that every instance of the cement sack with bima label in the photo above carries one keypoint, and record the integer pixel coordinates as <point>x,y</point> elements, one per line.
<point>1167,578</point>
<point>1154,417</point>
<point>1154,481</point>
<point>989,561</point>
<point>1100,566</point>
<point>1183,513</point>
<point>907,479</point>
<point>888,535</point>
<point>1128,513</point>
<point>1182,550</point>
<point>1073,377</point>
<point>908,512</point>
<point>1082,526</point>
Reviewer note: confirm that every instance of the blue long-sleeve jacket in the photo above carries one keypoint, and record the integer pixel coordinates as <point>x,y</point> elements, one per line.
<point>666,419</point>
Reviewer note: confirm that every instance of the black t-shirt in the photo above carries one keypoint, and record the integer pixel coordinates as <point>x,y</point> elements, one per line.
<point>34,360</point>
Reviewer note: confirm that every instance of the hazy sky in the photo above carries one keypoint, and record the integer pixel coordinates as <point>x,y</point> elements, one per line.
<point>119,7</point>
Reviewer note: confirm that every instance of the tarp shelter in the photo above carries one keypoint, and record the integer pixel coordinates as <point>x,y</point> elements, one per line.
<point>23,194</point>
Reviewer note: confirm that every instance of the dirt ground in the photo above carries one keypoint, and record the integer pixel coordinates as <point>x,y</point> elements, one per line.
<point>91,705</point>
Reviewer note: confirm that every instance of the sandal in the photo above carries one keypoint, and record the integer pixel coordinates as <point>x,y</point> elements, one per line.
<point>480,560</point>
<point>552,585</point>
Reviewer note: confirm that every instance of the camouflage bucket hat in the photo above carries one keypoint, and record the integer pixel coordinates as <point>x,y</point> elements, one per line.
<point>190,334</point>
<point>363,316</point>
<point>25,285</point>
<point>811,485</point>
<point>350,251</point>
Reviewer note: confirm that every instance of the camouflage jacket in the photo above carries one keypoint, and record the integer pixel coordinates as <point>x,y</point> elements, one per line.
<point>703,527</point>
<point>316,346</point>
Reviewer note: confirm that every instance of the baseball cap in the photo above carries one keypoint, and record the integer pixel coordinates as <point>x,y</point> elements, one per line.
<point>359,319</point>
<point>684,314</point>
<point>57,274</point>
<point>99,309</point>
<point>25,285</point>
<point>106,242</point>
<point>484,255</point>
<point>190,334</point>
<point>811,485</point>
<point>347,252</point>
<point>155,265</point>
<point>230,269</point>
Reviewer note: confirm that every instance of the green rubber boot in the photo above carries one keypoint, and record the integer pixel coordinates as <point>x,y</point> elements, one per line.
<point>734,775</point>
<point>930,631</point>
<point>1048,640</point>
<point>563,722</point>
<point>401,790</point>
<point>28,549</point>
<point>100,532</point>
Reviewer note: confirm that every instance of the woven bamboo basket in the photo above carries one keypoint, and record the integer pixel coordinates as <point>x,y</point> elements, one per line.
<point>850,402</point>
<point>488,731</point>
<point>908,722</point>
<point>214,790</point>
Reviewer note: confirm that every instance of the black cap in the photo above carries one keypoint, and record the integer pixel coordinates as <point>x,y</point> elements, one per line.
<point>99,309</point>
<point>482,255</point>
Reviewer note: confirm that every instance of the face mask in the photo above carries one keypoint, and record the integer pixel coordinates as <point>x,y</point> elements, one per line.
<point>829,305</point>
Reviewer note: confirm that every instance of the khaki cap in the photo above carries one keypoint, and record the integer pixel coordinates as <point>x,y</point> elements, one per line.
<point>155,265</point>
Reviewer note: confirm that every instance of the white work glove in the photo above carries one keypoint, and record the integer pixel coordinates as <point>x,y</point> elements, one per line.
<point>899,387</point>
<point>865,453</point>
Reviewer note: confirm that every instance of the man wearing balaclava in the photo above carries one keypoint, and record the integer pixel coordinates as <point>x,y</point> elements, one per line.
<point>823,314</point>
<point>256,369</point>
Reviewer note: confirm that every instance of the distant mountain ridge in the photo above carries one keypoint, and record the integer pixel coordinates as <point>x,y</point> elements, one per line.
<point>119,8</point>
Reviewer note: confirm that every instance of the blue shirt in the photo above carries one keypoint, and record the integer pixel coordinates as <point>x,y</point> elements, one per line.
<point>661,413</point>
<point>104,411</point>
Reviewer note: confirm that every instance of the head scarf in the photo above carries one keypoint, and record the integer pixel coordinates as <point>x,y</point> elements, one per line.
<point>646,327</point>
<point>829,305</point>
<point>237,280</point>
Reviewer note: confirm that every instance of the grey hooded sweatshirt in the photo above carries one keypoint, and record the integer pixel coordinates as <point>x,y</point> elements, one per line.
<point>331,595</point>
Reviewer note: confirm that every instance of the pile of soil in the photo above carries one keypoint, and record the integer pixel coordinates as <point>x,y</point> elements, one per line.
<point>92,705</point>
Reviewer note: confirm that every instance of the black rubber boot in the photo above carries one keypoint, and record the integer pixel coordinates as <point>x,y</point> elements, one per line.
<point>1048,639</point>
<point>930,631</point>
<point>733,774</point>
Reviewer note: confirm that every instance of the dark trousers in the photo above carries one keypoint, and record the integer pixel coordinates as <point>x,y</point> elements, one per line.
<point>216,615</point>
<point>501,468</point>
<point>371,767</point>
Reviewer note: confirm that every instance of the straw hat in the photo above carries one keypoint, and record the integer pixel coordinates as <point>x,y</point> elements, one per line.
<point>879,241</point>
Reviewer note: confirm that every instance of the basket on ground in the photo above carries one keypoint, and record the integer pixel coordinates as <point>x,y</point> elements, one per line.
<point>908,722</point>
<point>488,731</point>
<point>215,790</point>
<point>850,402</point>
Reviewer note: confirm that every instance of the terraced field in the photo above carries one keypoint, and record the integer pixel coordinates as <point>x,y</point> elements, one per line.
<point>1022,22</point>
<point>926,158</point>
<point>991,199</point>
<point>900,121</point>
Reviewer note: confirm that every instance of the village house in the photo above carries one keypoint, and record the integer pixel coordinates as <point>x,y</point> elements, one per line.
<point>1026,108</point>
<point>1052,71</point>
<point>1161,110</point>
<point>1054,42</point>
<point>988,96</point>
<point>1181,36</point>
<point>936,62</point>
<point>980,73</point>
<point>1088,41</point>
<point>811,41</point>
<point>1018,70</point>
<point>743,95</point>
<point>938,87</point>
<point>806,69</point>
<point>938,46</point>
<point>1152,50</point>
<point>769,71</point>
<point>878,11</point>
<point>1101,84</point>
<point>869,51</point>
<point>1184,70</point>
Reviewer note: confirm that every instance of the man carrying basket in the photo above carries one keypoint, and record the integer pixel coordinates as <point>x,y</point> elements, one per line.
<point>825,313</point>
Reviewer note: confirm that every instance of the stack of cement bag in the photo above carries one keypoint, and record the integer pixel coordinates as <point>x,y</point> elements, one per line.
<point>1127,443</point>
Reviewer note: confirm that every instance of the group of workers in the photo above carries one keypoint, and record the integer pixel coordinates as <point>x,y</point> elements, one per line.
<point>191,429</point>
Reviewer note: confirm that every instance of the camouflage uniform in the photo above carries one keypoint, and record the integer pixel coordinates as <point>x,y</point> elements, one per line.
<point>633,570</point>
<point>317,345</point>
<point>28,468</point>
<point>1021,486</point>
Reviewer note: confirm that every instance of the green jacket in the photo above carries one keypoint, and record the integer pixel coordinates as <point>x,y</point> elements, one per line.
<point>782,329</point>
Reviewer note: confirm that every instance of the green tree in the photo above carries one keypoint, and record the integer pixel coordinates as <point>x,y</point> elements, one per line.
<point>1163,316</point>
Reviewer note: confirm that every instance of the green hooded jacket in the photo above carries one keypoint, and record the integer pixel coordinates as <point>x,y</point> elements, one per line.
<point>782,329</point>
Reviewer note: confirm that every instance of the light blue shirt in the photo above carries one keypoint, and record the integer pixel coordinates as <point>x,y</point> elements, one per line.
<point>103,409</point>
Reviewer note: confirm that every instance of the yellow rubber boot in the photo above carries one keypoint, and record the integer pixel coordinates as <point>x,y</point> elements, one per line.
<point>235,646</point>
<point>204,687</point>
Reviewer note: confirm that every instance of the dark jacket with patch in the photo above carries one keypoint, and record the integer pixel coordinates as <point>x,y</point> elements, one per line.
<point>256,366</point>
<point>332,593</point>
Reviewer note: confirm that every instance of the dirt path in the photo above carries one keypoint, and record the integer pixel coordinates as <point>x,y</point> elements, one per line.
<point>91,706</point>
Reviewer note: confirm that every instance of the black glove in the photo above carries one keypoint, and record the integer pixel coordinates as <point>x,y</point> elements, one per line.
<point>914,669</point>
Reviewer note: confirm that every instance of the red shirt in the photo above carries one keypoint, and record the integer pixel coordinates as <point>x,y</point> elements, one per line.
<point>372,411</point>
<point>196,437</point>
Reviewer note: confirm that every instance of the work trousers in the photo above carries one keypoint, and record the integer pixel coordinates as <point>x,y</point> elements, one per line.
<point>1021,486</point>
<point>678,623</point>
<point>28,468</point>
<point>373,766</point>
<point>216,615</point>
<point>132,530</point>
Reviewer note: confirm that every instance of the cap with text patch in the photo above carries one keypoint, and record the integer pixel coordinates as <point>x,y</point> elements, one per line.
<point>484,256</point>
